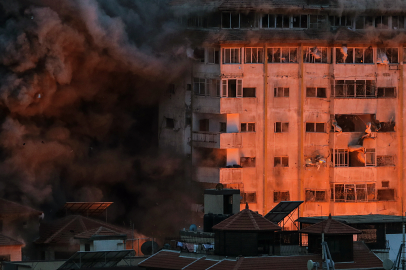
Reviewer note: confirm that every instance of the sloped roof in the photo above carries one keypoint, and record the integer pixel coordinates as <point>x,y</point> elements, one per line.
<point>330,226</point>
<point>99,232</point>
<point>8,241</point>
<point>9,208</point>
<point>61,231</point>
<point>166,259</point>
<point>201,263</point>
<point>246,220</point>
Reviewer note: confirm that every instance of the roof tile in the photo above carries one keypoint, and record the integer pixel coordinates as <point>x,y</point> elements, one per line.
<point>330,226</point>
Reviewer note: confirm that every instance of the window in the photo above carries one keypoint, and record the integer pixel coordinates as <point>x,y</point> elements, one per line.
<point>398,22</point>
<point>204,125</point>
<point>362,192</point>
<point>189,87</point>
<point>315,195</point>
<point>370,157</point>
<point>248,20</point>
<point>247,162</point>
<point>319,92</point>
<point>315,127</point>
<point>248,92</point>
<point>87,247</point>
<point>247,127</point>
<point>282,55</point>
<point>230,20</point>
<point>198,54</point>
<point>387,55</point>
<point>281,127</point>
<point>231,56</point>
<point>279,196</point>
<point>170,123</point>
<point>337,21</point>
<point>249,197</point>
<point>314,55</point>
<point>341,158</point>
<point>387,194</point>
<point>188,121</point>
<point>275,21</point>
<point>281,92</point>
<point>354,55</point>
<point>254,55</point>
<point>299,21</point>
<point>354,88</point>
<point>386,92</point>
<point>317,21</point>
<point>199,86</point>
<point>385,183</point>
<point>213,55</point>
<point>363,22</point>
<point>231,88</point>
<point>223,127</point>
<point>385,161</point>
<point>171,89</point>
<point>381,22</point>
<point>281,161</point>
<point>214,85</point>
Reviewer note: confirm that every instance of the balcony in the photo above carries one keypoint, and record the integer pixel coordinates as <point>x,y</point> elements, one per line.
<point>223,140</point>
<point>219,175</point>
<point>203,104</point>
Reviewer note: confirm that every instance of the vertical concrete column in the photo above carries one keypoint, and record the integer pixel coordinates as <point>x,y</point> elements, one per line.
<point>400,133</point>
<point>302,97</point>
<point>333,137</point>
<point>265,139</point>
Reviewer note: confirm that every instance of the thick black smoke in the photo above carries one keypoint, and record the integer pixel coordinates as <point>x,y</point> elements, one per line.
<point>79,86</point>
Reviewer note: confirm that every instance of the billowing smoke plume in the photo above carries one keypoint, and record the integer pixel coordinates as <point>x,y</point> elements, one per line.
<point>79,84</point>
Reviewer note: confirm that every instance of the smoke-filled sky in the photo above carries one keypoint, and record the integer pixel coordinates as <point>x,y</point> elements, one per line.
<point>79,85</point>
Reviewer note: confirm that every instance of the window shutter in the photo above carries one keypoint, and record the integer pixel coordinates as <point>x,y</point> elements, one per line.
<point>223,88</point>
<point>239,88</point>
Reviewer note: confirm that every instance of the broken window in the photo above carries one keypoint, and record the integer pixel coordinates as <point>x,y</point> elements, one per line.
<point>357,122</point>
<point>337,21</point>
<point>268,21</point>
<point>319,92</point>
<point>386,92</point>
<point>248,197</point>
<point>282,55</point>
<point>354,55</point>
<point>299,21</point>
<point>281,161</point>
<point>230,20</point>
<point>281,127</point>
<point>170,123</point>
<point>354,88</point>
<point>204,125</point>
<point>381,22</point>
<point>281,92</point>
<point>198,54</point>
<point>385,183</point>
<point>199,86</point>
<point>231,56</point>
<point>387,126</point>
<point>248,20</point>
<point>213,20</point>
<point>398,22</point>
<point>315,127</point>
<point>232,88</point>
<point>254,55</point>
<point>315,54</point>
<point>362,192</point>
<point>341,158</point>
<point>213,55</point>
<point>247,127</point>
<point>363,22</point>
<point>387,55</point>
<point>279,196</point>
<point>370,157</point>
<point>387,194</point>
<point>223,127</point>
<point>247,162</point>
<point>210,157</point>
<point>248,92</point>
<point>386,160</point>
<point>315,195</point>
<point>317,21</point>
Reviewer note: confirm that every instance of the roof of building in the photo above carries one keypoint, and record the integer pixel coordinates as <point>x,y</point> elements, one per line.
<point>246,220</point>
<point>355,219</point>
<point>167,259</point>
<point>9,208</point>
<point>99,232</point>
<point>63,230</point>
<point>330,226</point>
<point>8,241</point>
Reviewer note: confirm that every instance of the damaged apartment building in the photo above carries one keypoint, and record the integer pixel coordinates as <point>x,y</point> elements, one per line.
<point>299,100</point>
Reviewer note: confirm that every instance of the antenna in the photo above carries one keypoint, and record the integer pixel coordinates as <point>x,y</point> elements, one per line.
<point>311,265</point>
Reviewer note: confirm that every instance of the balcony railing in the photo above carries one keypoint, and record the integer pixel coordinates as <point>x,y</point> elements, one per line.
<point>223,140</point>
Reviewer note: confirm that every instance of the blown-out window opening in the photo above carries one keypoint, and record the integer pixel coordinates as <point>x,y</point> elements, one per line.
<point>353,192</point>
<point>282,55</point>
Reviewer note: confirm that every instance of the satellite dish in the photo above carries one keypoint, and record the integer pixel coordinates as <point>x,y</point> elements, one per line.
<point>219,186</point>
<point>149,248</point>
<point>387,264</point>
<point>311,265</point>
<point>193,228</point>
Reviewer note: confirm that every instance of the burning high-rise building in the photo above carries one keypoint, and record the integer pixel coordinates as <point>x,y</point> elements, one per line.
<point>299,100</point>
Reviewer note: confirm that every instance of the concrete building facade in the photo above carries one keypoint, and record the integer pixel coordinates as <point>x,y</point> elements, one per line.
<point>293,102</point>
